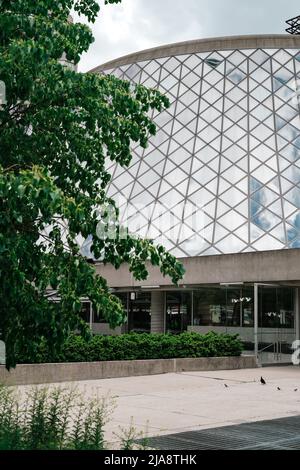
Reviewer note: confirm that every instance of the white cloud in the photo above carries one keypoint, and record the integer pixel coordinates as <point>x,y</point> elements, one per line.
<point>139,24</point>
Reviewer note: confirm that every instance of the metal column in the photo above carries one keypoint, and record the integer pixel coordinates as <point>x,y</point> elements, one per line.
<point>256,321</point>
<point>91,316</point>
<point>297,314</point>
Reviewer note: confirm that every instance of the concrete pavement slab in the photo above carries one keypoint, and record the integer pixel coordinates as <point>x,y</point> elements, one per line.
<point>177,402</point>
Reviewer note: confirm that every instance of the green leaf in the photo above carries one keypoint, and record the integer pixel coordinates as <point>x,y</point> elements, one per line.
<point>56,131</point>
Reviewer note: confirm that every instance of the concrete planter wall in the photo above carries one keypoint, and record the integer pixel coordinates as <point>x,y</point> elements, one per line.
<point>27,374</point>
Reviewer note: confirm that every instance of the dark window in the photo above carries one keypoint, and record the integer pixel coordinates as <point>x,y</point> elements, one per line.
<point>276,307</point>
<point>240,306</point>
<point>223,306</point>
<point>178,311</point>
<point>98,317</point>
<point>85,311</point>
<point>139,313</point>
<point>210,306</point>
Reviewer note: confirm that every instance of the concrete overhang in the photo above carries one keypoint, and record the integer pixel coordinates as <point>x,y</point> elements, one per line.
<point>262,41</point>
<point>278,266</point>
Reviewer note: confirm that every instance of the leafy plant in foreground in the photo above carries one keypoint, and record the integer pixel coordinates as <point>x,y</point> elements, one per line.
<point>58,131</point>
<point>52,419</point>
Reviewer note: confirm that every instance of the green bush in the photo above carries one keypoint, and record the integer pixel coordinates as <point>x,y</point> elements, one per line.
<point>141,346</point>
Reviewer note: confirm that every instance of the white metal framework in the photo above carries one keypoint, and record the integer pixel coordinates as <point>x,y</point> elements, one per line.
<point>227,148</point>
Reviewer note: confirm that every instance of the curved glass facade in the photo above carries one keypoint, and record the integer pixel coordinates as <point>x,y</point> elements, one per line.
<point>222,175</point>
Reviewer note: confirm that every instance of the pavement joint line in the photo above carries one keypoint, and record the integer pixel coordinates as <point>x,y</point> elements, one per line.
<point>218,378</point>
<point>123,424</point>
<point>153,408</point>
<point>130,395</point>
<point>145,395</point>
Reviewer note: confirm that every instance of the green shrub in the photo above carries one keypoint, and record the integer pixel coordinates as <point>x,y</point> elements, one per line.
<point>141,346</point>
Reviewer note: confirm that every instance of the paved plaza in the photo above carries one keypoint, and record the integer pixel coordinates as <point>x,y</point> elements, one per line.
<point>173,403</point>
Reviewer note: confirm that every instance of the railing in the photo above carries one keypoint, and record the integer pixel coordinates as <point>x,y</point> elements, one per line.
<point>275,351</point>
<point>279,349</point>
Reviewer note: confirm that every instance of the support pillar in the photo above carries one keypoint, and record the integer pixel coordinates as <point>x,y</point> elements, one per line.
<point>91,316</point>
<point>256,320</point>
<point>297,314</point>
<point>157,311</point>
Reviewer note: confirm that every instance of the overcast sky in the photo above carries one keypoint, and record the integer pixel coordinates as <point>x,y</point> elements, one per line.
<point>140,24</point>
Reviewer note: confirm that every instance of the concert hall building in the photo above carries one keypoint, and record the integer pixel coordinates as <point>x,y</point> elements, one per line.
<point>219,187</point>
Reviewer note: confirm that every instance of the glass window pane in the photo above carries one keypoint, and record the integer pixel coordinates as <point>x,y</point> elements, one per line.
<point>276,307</point>
<point>139,313</point>
<point>209,306</point>
<point>178,311</point>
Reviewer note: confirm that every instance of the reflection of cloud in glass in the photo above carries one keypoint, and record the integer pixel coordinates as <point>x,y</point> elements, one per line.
<point>266,220</point>
<point>86,247</point>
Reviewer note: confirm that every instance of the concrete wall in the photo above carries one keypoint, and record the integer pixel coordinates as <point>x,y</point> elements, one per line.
<point>29,374</point>
<point>264,266</point>
<point>157,312</point>
<point>215,363</point>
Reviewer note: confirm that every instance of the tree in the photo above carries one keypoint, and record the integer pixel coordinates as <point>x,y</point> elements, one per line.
<point>57,128</point>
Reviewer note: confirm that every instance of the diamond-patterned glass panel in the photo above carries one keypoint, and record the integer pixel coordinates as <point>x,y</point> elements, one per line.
<point>222,174</point>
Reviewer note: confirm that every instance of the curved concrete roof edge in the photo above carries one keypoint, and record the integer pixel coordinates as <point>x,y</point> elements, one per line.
<point>264,41</point>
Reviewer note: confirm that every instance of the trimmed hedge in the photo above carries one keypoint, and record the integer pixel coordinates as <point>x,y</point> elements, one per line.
<point>141,346</point>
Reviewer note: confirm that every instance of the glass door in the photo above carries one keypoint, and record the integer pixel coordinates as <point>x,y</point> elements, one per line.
<point>276,324</point>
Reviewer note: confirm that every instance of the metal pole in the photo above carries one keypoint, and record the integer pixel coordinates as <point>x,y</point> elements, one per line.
<point>241,309</point>
<point>165,311</point>
<point>192,316</point>
<point>91,316</point>
<point>127,312</point>
<point>297,319</point>
<point>256,320</point>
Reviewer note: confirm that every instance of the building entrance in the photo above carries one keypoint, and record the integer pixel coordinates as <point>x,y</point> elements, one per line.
<point>276,310</point>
